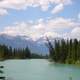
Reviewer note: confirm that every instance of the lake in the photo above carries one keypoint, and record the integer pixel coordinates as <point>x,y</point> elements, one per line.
<point>39,69</point>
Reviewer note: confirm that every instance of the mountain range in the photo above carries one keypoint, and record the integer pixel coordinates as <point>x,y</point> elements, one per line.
<point>37,46</point>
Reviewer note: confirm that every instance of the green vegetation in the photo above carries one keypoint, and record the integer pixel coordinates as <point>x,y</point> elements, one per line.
<point>10,53</point>
<point>37,56</point>
<point>65,51</point>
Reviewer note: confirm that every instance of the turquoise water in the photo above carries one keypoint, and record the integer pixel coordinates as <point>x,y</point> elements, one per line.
<point>39,69</point>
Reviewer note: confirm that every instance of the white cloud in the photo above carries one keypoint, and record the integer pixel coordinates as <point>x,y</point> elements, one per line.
<point>23,4</point>
<point>3,12</point>
<point>42,28</point>
<point>51,34</point>
<point>60,5</point>
<point>79,16</point>
<point>58,9</point>
<point>75,33</point>
<point>62,23</point>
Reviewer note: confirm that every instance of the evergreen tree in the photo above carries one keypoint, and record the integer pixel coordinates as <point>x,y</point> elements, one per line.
<point>65,51</point>
<point>27,52</point>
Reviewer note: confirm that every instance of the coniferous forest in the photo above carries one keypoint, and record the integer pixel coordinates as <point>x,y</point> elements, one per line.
<point>14,53</point>
<point>62,51</point>
<point>65,51</point>
<point>10,53</point>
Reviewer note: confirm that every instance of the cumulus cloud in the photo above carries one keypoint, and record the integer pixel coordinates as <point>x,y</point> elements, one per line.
<point>23,4</point>
<point>60,6</point>
<point>51,34</point>
<point>75,33</point>
<point>58,9</point>
<point>61,23</point>
<point>42,28</point>
<point>3,12</point>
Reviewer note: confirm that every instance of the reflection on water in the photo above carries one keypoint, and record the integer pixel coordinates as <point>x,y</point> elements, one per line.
<point>39,69</point>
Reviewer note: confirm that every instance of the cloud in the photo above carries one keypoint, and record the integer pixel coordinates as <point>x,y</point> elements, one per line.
<point>75,33</point>
<point>79,16</point>
<point>58,9</point>
<point>61,23</point>
<point>60,6</point>
<point>52,34</point>
<point>41,28</point>
<point>3,12</point>
<point>24,4</point>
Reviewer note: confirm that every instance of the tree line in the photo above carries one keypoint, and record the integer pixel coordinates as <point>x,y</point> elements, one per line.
<point>10,53</point>
<point>65,51</point>
<point>14,53</point>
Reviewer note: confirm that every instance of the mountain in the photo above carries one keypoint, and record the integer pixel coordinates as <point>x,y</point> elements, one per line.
<point>23,41</point>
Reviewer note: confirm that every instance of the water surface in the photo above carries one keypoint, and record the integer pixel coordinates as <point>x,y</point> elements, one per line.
<point>39,69</point>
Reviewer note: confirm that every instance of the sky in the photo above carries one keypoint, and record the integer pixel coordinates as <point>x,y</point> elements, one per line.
<point>37,19</point>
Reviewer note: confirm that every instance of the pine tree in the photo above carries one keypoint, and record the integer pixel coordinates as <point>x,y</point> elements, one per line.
<point>65,51</point>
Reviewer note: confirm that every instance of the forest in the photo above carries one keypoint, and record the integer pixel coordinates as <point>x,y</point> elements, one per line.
<point>7,52</point>
<point>64,51</point>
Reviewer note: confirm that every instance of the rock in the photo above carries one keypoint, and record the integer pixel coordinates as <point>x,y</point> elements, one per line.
<point>1,71</point>
<point>1,66</point>
<point>3,78</point>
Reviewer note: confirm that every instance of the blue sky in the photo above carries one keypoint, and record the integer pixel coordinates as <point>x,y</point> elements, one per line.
<point>64,14</point>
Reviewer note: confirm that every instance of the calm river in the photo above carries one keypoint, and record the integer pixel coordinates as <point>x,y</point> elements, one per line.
<point>39,69</point>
